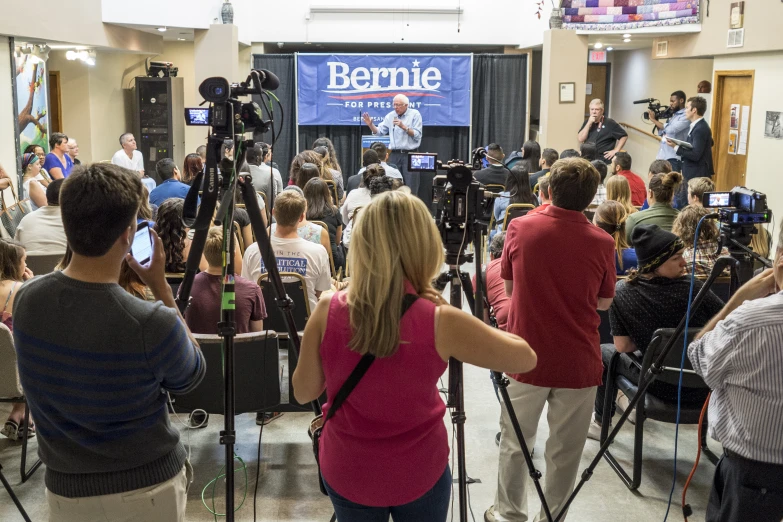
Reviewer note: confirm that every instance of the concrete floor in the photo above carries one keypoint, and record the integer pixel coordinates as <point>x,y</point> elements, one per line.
<point>288,489</point>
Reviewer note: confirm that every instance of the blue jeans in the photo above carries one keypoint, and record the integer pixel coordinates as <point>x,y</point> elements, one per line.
<point>433,506</point>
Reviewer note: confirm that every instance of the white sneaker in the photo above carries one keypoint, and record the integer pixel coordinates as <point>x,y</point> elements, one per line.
<point>622,405</point>
<point>594,432</point>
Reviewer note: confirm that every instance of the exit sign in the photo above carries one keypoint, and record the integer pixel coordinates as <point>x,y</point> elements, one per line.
<point>597,57</point>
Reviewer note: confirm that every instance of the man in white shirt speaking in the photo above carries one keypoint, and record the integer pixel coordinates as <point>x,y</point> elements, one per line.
<point>128,156</point>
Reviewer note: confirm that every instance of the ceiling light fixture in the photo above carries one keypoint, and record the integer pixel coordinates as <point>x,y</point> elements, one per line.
<point>626,40</point>
<point>598,45</point>
<point>162,29</point>
<point>181,39</point>
<point>626,35</point>
<point>610,48</point>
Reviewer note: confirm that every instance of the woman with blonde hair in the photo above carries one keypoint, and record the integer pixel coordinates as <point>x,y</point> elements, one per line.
<point>610,217</point>
<point>618,189</point>
<point>385,452</point>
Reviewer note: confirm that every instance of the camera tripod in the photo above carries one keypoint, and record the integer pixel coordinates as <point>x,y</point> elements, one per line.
<point>13,495</point>
<point>460,283</point>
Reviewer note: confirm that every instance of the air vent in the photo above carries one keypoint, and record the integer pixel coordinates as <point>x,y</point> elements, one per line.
<point>736,38</point>
<point>662,48</point>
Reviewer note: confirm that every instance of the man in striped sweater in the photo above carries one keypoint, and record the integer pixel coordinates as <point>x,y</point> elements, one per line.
<point>740,356</point>
<point>96,372</point>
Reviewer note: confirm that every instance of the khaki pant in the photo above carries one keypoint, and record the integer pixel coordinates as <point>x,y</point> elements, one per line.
<point>569,419</point>
<point>164,502</point>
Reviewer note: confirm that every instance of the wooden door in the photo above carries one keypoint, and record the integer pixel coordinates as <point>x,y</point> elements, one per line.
<point>730,126</point>
<point>55,103</point>
<point>597,86</point>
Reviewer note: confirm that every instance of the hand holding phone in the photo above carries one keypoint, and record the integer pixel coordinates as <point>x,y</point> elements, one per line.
<point>141,249</point>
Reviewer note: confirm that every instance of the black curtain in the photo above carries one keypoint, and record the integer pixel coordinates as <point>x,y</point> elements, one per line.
<point>499,100</point>
<point>281,65</point>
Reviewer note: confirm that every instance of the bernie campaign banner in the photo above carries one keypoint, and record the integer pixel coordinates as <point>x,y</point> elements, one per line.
<point>338,89</point>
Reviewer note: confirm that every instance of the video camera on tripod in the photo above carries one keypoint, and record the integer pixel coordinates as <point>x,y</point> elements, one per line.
<point>654,105</point>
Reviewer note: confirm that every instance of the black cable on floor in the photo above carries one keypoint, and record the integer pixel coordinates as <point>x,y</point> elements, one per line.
<point>258,471</point>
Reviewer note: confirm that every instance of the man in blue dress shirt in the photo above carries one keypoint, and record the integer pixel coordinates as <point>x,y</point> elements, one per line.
<point>171,186</point>
<point>403,125</point>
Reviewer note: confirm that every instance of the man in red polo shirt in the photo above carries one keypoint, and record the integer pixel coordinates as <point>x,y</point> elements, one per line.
<point>621,166</point>
<point>559,270</point>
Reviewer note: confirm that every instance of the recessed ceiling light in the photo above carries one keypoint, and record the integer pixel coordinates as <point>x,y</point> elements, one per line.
<point>626,40</point>
<point>598,45</point>
<point>626,35</point>
<point>610,48</point>
<point>181,39</point>
<point>162,29</point>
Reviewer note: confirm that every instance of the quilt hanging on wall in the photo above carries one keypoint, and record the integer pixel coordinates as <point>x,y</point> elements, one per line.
<point>608,15</point>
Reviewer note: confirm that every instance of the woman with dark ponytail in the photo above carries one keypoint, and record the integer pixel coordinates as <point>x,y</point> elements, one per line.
<point>660,194</point>
<point>517,191</point>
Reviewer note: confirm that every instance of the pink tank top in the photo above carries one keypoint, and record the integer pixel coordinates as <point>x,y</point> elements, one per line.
<point>387,444</point>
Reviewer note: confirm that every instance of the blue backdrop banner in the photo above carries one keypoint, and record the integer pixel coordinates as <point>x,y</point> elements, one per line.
<point>338,89</point>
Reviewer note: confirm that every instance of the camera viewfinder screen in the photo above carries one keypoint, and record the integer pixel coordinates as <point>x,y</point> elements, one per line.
<point>718,199</point>
<point>197,116</point>
<point>422,161</point>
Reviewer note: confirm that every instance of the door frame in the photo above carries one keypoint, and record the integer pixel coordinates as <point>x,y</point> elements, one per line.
<point>608,86</point>
<point>717,101</point>
<point>56,74</point>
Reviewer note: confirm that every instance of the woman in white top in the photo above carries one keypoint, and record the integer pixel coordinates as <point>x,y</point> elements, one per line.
<point>361,196</point>
<point>33,180</point>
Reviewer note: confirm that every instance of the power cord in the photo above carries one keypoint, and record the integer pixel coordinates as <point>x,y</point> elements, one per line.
<point>258,471</point>
<point>682,364</point>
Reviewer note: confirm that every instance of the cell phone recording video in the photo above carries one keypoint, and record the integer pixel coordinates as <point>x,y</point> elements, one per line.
<point>141,250</point>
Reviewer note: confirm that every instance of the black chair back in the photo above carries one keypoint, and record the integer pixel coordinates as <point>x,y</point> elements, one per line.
<point>495,188</point>
<point>256,374</point>
<point>296,288</point>
<point>514,211</point>
<point>174,280</point>
<point>671,372</point>
<point>43,264</point>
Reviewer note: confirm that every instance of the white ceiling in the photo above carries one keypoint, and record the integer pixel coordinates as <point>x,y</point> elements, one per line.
<point>171,34</point>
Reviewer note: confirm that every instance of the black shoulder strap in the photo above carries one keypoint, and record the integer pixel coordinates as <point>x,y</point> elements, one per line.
<point>362,367</point>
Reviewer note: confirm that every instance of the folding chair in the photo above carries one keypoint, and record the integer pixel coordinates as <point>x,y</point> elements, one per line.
<point>240,240</point>
<point>495,188</point>
<point>329,249</point>
<point>333,191</point>
<point>514,211</point>
<point>43,264</point>
<point>11,391</point>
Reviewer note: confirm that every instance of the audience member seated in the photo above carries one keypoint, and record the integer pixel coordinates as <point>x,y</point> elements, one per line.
<point>171,186</point>
<point>321,208</point>
<point>405,471</point>
<point>5,180</point>
<point>621,166</point>
<point>41,232</point>
<point>656,167</point>
<point>370,157</point>
<point>331,169</point>
<point>38,151</point>
<point>128,156</point>
<point>227,151</point>
<point>131,282</point>
<point>293,253</point>
<point>618,189</point>
<point>654,296</point>
<point>570,153</point>
<point>13,273</point>
<point>494,286</point>
<point>661,193</point>
<point>529,157</point>
<point>696,189</point>
<point>305,166</point>
<point>261,173</point>
<point>192,167</point>
<point>495,173</point>
<point>361,196</point>
<point>123,355</point>
<point>548,158</point>
<point>377,185</point>
<point>602,168</point>
<point>587,151</point>
<point>147,211</point>
<point>58,163</point>
<point>383,154</point>
<point>34,183</point>
<point>544,196</point>
<point>201,150</point>
<point>203,314</point>
<point>707,245</point>
<point>517,191</point>
<point>174,235</point>
<point>610,216</point>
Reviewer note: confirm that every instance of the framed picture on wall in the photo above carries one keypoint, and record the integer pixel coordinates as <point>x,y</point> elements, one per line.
<point>568,92</point>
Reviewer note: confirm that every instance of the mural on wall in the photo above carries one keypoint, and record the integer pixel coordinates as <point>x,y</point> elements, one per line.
<point>31,100</point>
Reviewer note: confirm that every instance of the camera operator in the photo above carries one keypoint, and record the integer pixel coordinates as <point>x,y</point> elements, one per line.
<point>739,356</point>
<point>677,127</point>
<point>95,372</point>
<point>608,136</point>
<point>386,450</point>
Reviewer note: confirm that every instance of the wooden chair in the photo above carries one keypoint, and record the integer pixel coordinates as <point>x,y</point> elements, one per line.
<point>240,240</point>
<point>11,391</point>
<point>43,264</point>
<point>329,249</point>
<point>352,219</point>
<point>333,191</point>
<point>495,188</point>
<point>651,406</point>
<point>296,289</point>
<point>256,374</point>
<point>514,211</point>
<point>266,203</point>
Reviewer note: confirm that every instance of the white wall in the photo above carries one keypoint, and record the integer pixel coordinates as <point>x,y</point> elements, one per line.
<point>764,154</point>
<point>7,116</point>
<point>635,76</point>
<point>508,22</point>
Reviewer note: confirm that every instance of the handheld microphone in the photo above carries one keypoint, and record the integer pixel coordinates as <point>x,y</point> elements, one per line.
<point>646,100</point>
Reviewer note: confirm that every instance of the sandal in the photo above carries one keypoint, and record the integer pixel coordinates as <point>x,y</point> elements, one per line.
<point>12,430</point>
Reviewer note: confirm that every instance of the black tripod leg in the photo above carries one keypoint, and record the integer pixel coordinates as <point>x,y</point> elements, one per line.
<point>13,495</point>
<point>502,383</point>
